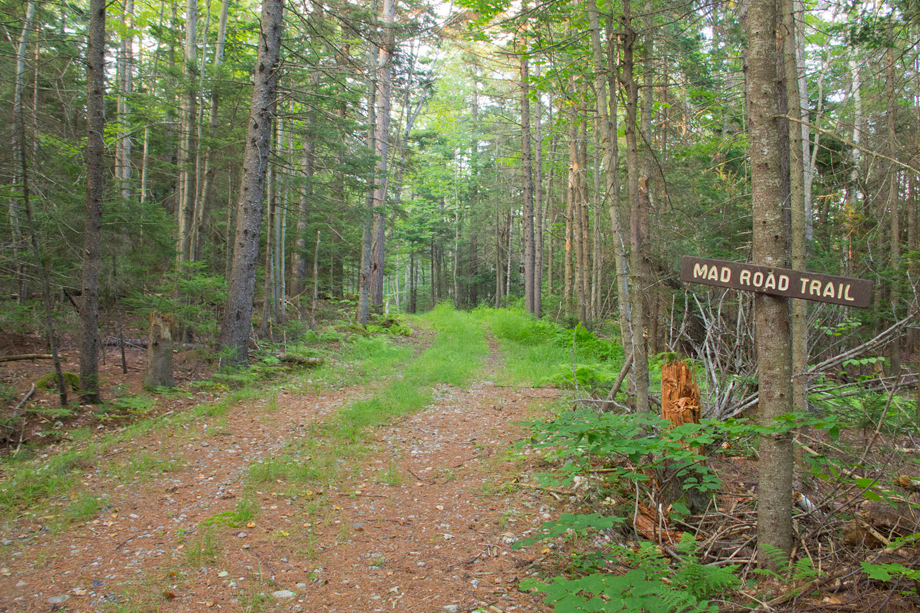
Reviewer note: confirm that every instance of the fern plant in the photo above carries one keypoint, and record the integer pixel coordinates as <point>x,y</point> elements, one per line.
<point>652,585</point>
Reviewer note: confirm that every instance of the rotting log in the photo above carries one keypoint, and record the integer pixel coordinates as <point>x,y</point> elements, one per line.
<point>25,356</point>
<point>294,359</point>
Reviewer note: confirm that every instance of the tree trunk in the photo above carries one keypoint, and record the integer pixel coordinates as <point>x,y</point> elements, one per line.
<point>125,89</point>
<point>570,209</point>
<point>367,233</point>
<point>637,201</point>
<point>498,260</point>
<point>186,185</point>
<point>583,224</point>
<point>234,333</point>
<point>22,169</point>
<point>412,283</point>
<point>307,169</point>
<point>510,253</point>
<point>19,148</point>
<point>774,501</point>
<point>381,144</point>
<point>538,205</point>
<point>797,165</point>
<point>893,204</point>
<point>267,301</point>
<point>203,203</point>
<point>527,170</point>
<point>315,283</point>
<point>95,189</point>
<point>612,185</point>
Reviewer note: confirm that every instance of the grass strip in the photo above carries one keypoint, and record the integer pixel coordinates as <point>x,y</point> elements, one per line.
<point>320,459</point>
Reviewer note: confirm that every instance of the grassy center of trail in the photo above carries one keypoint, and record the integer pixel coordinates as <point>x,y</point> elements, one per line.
<point>453,358</point>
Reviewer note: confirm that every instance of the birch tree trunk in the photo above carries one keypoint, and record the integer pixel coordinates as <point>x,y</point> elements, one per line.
<point>498,260</point>
<point>234,333</point>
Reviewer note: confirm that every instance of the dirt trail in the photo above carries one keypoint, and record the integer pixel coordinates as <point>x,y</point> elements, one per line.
<point>424,524</point>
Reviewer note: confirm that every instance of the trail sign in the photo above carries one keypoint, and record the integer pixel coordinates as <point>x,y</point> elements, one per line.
<point>777,281</point>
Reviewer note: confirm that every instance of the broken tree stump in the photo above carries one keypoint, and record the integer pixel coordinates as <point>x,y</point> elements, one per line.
<point>159,352</point>
<point>680,404</point>
<point>680,396</point>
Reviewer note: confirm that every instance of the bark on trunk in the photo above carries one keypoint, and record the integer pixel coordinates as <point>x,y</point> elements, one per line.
<point>527,170</point>
<point>186,184</point>
<point>382,141</point>
<point>203,203</point>
<point>234,334</point>
<point>125,90</point>
<point>774,501</point>
<point>637,201</point>
<point>797,197</point>
<point>95,189</point>
<point>538,205</point>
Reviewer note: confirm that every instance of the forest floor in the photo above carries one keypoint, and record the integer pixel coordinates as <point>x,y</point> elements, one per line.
<point>372,485</point>
<point>197,515</point>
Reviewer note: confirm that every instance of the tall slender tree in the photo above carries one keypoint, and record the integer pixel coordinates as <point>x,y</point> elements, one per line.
<point>95,189</point>
<point>381,148</point>
<point>234,332</point>
<point>772,321</point>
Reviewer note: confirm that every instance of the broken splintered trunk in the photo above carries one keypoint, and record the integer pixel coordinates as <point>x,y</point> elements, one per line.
<point>680,404</point>
<point>159,352</point>
<point>680,396</point>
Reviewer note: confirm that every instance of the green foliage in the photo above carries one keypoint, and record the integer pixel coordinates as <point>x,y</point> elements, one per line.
<point>246,509</point>
<point>204,548</point>
<point>192,294</point>
<point>569,523</point>
<point>646,441</point>
<point>455,354</point>
<point>541,352</point>
<point>887,572</point>
<point>83,508</point>
<point>28,483</point>
<point>652,585</point>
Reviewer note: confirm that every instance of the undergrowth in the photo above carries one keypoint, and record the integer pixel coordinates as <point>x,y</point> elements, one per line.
<point>540,352</point>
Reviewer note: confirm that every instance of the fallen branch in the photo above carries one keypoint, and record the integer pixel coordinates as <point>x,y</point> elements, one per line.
<point>22,403</point>
<point>879,339</point>
<point>25,356</point>
<point>616,384</point>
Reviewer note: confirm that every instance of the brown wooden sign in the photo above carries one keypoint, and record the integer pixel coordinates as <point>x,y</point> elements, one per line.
<point>777,281</point>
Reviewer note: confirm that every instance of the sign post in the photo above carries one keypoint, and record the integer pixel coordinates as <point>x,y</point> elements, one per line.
<point>777,281</point>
